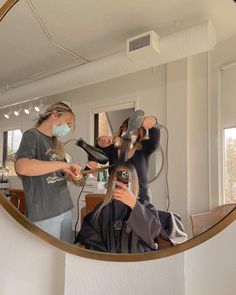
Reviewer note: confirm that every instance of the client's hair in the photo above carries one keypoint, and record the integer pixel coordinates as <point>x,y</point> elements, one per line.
<point>133,179</point>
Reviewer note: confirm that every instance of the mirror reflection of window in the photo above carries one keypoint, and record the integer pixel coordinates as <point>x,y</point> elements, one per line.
<point>11,142</point>
<point>104,125</point>
<point>107,123</point>
<point>230,165</point>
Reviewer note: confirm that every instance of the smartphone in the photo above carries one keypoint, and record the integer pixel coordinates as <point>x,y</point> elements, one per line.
<point>129,185</point>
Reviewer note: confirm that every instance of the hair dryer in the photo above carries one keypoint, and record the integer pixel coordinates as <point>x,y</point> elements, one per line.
<point>94,153</point>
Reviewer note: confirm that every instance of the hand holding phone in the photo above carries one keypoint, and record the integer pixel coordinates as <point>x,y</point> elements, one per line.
<point>122,193</point>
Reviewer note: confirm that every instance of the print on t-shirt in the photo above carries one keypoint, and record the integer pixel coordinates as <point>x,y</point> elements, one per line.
<point>56,175</point>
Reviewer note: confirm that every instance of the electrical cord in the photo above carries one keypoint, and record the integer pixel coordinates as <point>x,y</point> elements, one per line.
<point>167,166</point>
<point>77,207</point>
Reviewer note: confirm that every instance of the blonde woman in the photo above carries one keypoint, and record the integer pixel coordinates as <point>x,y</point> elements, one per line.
<point>40,161</point>
<point>125,224</point>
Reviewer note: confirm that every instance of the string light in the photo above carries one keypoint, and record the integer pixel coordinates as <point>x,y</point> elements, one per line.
<point>32,107</point>
<point>16,113</point>
<point>7,115</point>
<point>37,109</point>
<point>28,110</point>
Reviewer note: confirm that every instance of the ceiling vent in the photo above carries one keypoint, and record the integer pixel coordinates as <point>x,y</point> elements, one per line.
<point>143,46</point>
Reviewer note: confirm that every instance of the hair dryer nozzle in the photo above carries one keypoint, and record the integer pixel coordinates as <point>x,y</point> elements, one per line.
<point>135,121</point>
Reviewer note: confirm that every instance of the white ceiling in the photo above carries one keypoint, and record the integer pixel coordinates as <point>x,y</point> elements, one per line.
<point>74,32</point>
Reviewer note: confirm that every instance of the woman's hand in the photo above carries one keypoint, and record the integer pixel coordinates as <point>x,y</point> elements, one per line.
<point>124,195</point>
<point>92,165</point>
<point>104,141</point>
<point>149,122</point>
<point>73,169</point>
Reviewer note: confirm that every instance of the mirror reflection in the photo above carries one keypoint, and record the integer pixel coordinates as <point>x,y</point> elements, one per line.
<point>125,224</point>
<point>193,177</point>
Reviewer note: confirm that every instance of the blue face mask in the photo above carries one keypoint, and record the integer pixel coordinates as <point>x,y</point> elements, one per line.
<point>61,130</point>
<point>134,137</point>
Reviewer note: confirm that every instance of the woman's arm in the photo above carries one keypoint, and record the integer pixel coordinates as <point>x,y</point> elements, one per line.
<point>33,167</point>
<point>104,141</point>
<point>145,224</point>
<point>151,144</point>
<point>143,220</point>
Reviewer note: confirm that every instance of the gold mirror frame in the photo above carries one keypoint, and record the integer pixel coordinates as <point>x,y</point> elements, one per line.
<point>6,7</point>
<point>168,251</point>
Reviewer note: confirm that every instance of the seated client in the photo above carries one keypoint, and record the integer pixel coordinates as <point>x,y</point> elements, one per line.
<point>124,224</point>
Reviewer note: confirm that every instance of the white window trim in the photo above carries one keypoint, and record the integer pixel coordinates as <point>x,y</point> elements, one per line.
<point>223,163</point>
<point>221,128</point>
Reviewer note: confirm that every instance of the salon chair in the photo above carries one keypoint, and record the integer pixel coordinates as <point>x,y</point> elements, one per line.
<point>203,221</point>
<point>91,200</point>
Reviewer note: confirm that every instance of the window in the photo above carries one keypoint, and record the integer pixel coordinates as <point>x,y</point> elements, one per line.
<point>230,165</point>
<point>107,123</point>
<point>102,125</point>
<point>11,142</point>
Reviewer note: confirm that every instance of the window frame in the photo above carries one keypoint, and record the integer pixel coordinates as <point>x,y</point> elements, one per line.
<point>224,162</point>
<point>5,146</point>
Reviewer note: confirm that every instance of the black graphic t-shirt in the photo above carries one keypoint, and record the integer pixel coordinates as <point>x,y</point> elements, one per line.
<point>46,195</point>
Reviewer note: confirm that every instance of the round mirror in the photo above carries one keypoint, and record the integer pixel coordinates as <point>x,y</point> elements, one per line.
<point>149,83</point>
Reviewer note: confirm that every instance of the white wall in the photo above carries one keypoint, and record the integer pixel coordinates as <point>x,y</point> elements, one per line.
<point>177,124</point>
<point>164,276</point>
<point>198,135</point>
<point>228,101</point>
<point>210,267</point>
<point>28,265</point>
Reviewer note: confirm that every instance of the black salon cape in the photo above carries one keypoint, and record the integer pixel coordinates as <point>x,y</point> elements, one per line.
<point>118,229</point>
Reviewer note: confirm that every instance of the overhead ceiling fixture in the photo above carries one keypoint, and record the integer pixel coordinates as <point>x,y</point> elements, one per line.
<point>7,115</point>
<point>27,110</point>
<point>25,107</point>
<point>17,112</point>
<point>143,46</point>
<point>39,107</point>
